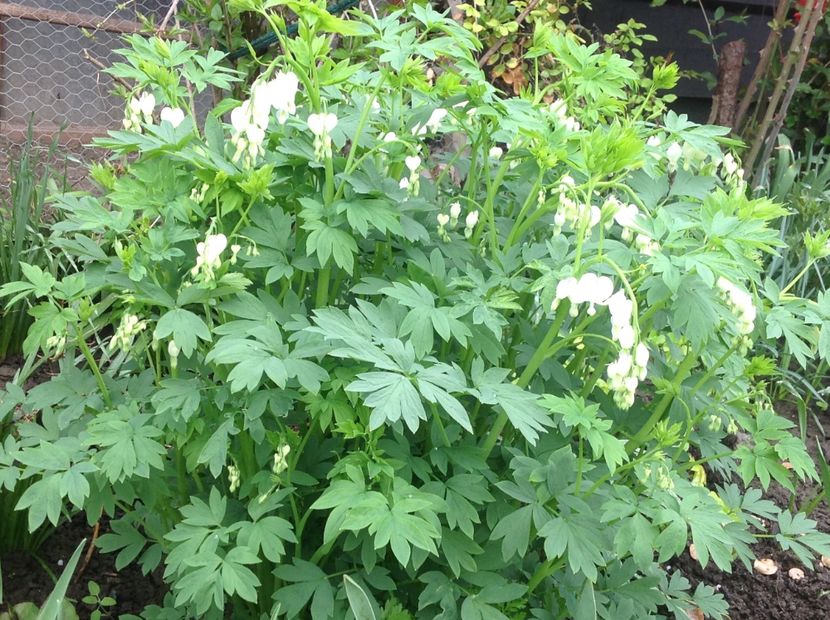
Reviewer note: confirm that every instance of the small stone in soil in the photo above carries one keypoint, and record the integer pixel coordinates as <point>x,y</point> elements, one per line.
<point>796,574</point>
<point>765,566</point>
<point>825,561</point>
<point>693,551</point>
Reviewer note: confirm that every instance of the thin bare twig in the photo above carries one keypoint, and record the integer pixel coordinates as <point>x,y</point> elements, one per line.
<point>174,5</point>
<point>814,18</point>
<point>795,51</point>
<point>764,60</point>
<point>495,47</point>
<point>709,29</point>
<point>89,551</point>
<point>372,8</point>
<point>100,65</point>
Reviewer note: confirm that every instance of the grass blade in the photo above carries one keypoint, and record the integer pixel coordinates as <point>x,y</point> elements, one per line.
<point>53,607</point>
<point>359,601</point>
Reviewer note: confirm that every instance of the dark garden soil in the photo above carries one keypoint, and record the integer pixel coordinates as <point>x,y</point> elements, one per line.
<point>760,597</point>
<point>24,578</point>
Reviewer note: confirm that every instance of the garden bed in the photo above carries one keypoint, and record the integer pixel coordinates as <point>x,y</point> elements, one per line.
<point>25,578</point>
<point>749,594</point>
<point>752,595</point>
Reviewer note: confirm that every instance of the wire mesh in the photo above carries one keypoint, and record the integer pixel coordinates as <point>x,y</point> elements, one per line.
<point>45,67</point>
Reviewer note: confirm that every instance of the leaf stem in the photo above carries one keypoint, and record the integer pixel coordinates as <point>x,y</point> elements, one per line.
<point>543,572</point>
<point>536,360</point>
<point>682,372</point>
<point>105,393</point>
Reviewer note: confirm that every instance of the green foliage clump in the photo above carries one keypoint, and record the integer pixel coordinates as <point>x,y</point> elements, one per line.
<point>368,345</point>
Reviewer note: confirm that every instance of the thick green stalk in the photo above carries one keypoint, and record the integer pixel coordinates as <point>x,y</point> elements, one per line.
<point>544,571</point>
<point>364,116</point>
<point>682,372</point>
<point>105,393</point>
<point>531,198</point>
<point>523,381</point>
<point>322,297</point>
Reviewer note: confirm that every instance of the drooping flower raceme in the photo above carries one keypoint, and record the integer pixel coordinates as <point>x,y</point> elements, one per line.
<point>209,257</point>
<point>412,182</point>
<point>740,302</point>
<point>248,135</point>
<point>626,216</point>
<point>321,125</point>
<point>559,109</point>
<point>139,109</point>
<point>626,372</point>
<point>572,213</point>
<point>250,120</point>
<point>129,327</point>
<point>732,172</point>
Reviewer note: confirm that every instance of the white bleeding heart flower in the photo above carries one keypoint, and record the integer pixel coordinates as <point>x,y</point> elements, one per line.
<point>673,154</point>
<point>412,162</point>
<point>559,108</point>
<point>626,215</point>
<point>322,124</point>
<point>432,124</point>
<point>641,355</point>
<point>209,256</point>
<point>174,116</point>
<point>146,104</point>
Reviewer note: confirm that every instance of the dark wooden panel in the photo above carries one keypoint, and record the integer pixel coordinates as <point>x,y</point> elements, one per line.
<point>671,24</point>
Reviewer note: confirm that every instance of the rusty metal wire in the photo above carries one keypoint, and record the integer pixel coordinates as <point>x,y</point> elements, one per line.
<point>51,54</point>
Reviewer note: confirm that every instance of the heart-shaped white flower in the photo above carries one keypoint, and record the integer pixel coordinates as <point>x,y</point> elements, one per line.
<point>174,116</point>
<point>322,124</point>
<point>412,162</point>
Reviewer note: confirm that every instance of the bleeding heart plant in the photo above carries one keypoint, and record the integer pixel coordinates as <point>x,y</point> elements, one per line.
<point>401,348</point>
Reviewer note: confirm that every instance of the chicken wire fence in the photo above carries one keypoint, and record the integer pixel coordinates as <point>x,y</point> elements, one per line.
<point>51,54</point>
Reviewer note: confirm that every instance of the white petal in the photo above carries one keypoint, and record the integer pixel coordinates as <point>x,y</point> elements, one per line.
<point>174,116</point>
<point>412,162</point>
